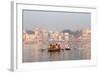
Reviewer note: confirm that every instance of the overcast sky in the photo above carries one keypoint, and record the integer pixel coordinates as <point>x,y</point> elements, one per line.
<point>55,21</point>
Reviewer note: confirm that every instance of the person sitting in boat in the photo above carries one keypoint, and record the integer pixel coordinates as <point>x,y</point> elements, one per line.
<point>59,46</point>
<point>50,46</point>
<point>56,46</point>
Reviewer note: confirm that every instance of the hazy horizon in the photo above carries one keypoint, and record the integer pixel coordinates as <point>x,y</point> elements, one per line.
<point>55,21</point>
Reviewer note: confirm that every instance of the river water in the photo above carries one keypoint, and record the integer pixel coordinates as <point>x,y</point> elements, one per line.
<point>33,53</point>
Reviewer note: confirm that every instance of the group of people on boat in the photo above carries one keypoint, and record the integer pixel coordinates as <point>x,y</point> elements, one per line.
<point>54,46</point>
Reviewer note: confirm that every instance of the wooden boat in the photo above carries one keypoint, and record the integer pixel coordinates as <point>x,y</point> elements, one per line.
<point>53,48</point>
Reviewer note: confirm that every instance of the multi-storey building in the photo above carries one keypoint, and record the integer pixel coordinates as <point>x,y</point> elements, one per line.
<point>86,38</point>
<point>28,37</point>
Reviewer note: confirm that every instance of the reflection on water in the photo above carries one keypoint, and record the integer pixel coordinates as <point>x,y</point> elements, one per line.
<point>33,53</point>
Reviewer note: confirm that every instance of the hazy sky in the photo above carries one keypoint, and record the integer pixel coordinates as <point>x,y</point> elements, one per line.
<point>55,21</point>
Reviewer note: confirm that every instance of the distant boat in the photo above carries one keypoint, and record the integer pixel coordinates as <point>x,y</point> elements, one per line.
<point>42,50</point>
<point>68,48</point>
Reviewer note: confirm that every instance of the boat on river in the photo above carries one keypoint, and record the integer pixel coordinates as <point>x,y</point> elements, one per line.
<point>54,47</point>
